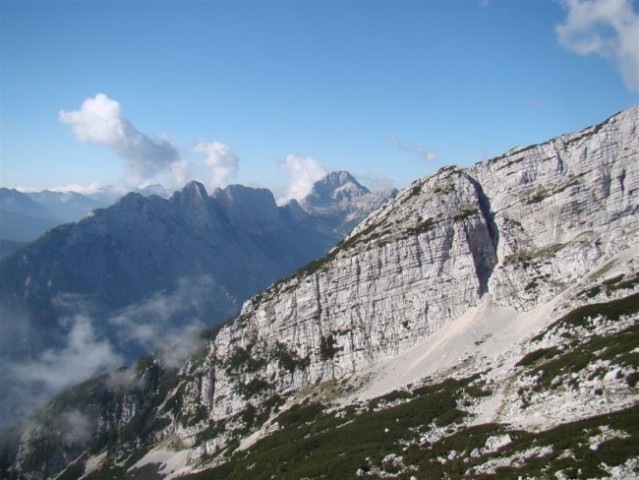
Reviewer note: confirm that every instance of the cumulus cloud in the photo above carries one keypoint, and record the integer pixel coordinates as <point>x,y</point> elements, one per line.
<point>220,160</point>
<point>304,172</point>
<point>100,120</point>
<point>181,172</point>
<point>608,28</point>
<point>425,154</point>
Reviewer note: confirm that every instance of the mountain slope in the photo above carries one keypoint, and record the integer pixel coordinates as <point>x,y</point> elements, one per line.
<point>67,206</point>
<point>480,324</point>
<point>22,219</point>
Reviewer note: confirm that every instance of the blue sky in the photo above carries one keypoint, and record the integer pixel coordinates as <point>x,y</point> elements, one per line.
<point>274,93</point>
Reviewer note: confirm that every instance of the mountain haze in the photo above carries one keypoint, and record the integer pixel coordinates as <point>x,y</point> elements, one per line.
<point>482,324</point>
<point>21,218</point>
<point>67,206</point>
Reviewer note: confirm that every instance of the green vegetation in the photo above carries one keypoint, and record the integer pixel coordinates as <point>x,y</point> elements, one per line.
<point>538,355</point>
<point>289,360</point>
<point>465,213</point>
<point>527,257</point>
<point>422,227</point>
<point>513,153</point>
<point>253,388</point>
<point>328,348</point>
<point>570,450</point>
<point>610,286</point>
<point>612,310</point>
<point>538,196</point>
<point>444,189</point>
<point>554,368</point>
<point>316,443</point>
<point>415,191</point>
<point>242,360</point>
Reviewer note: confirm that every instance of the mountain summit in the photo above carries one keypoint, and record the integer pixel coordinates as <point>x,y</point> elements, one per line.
<point>334,189</point>
<point>342,202</point>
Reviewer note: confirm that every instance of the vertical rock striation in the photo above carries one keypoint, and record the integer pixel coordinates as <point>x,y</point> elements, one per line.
<point>519,227</point>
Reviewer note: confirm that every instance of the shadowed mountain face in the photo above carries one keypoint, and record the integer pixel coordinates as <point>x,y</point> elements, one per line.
<point>21,218</point>
<point>26,216</point>
<point>67,206</point>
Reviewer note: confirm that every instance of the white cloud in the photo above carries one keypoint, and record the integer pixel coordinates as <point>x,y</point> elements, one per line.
<point>181,172</point>
<point>152,323</point>
<point>221,161</point>
<point>83,357</point>
<point>100,121</point>
<point>89,189</point>
<point>304,172</point>
<point>77,428</point>
<point>425,154</point>
<point>165,324</point>
<point>608,28</point>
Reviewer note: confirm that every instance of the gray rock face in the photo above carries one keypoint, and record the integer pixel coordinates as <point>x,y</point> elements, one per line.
<point>519,227</point>
<point>573,198</point>
<point>147,270</point>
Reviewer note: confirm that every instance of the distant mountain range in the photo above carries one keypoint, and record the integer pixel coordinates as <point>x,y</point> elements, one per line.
<point>21,218</point>
<point>24,216</point>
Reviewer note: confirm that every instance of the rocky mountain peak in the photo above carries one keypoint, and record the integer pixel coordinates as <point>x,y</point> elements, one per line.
<point>130,201</point>
<point>201,256</point>
<point>340,198</point>
<point>195,188</point>
<point>193,192</point>
<point>248,208</point>
<point>335,187</point>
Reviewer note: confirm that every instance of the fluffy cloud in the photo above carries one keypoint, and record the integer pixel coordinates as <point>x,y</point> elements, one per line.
<point>608,28</point>
<point>158,322</point>
<point>220,160</point>
<point>426,155</point>
<point>304,172</point>
<point>77,428</point>
<point>100,121</point>
<point>83,357</point>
